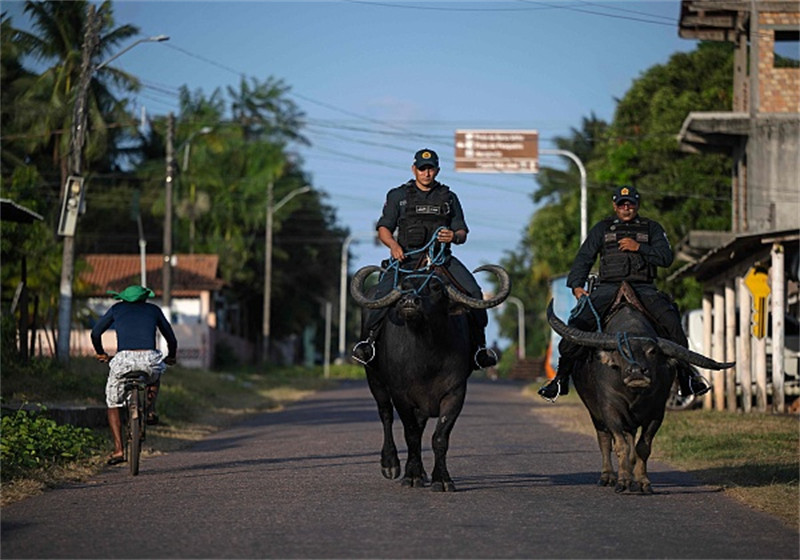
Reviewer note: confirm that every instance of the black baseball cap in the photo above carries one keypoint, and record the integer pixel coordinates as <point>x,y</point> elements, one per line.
<point>626,192</point>
<point>425,157</point>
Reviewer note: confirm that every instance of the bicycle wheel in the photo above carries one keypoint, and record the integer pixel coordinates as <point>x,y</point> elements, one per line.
<point>135,421</point>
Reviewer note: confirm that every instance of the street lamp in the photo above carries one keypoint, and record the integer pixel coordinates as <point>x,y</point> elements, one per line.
<point>343,289</point>
<point>520,325</point>
<point>77,139</point>
<point>166,267</point>
<point>584,195</point>
<point>153,39</point>
<point>188,144</point>
<point>271,209</point>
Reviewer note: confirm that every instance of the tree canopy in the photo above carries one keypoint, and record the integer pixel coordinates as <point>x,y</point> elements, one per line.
<point>639,147</point>
<point>229,146</point>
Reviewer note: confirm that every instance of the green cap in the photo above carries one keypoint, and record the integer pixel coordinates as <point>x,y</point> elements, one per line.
<point>133,293</point>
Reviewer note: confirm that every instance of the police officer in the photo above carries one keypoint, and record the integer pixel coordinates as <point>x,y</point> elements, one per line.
<point>417,209</point>
<point>631,248</point>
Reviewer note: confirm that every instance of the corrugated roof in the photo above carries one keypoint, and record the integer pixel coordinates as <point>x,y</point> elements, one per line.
<point>191,275</point>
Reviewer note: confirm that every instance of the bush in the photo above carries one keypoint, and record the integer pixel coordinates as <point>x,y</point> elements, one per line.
<point>30,441</point>
<point>225,356</point>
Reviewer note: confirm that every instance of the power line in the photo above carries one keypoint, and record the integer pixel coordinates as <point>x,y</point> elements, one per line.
<point>592,12</point>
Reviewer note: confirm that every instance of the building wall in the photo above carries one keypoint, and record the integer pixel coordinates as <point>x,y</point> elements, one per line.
<point>773,182</point>
<point>778,88</point>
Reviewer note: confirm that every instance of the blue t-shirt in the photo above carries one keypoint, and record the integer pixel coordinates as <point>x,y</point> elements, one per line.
<point>136,325</point>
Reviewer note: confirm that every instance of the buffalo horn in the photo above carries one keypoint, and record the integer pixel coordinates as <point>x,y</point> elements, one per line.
<point>608,341</point>
<point>605,341</point>
<point>357,290</point>
<point>674,350</point>
<point>474,303</point>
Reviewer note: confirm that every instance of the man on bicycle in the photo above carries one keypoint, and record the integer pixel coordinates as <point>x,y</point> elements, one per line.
<point>136,322</point>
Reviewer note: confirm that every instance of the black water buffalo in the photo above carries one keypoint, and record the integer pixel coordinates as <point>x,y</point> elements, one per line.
<point>625,383</point>
<point>423,358</point>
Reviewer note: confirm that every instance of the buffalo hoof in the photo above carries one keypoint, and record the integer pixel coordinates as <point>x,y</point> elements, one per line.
<point>646,489</point>
<point>391,472</point>
<point>443,486</point>
<point>607,480</point>
<point>620,487</point>
<point>413,482</point>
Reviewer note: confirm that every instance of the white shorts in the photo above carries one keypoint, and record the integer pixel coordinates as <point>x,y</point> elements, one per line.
<point>149,361</point>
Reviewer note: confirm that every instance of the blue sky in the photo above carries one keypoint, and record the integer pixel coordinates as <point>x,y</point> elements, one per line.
<point>379,80</point>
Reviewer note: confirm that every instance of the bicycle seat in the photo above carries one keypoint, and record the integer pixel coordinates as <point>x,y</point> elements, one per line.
<point>135,374</point>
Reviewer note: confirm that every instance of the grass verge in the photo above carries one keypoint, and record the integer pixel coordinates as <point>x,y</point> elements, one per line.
<point>754,458</point>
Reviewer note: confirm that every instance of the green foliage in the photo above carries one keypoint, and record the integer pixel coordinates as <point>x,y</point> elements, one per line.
<point>31,441</point>
<point>682,192</point>
<point>221,175</point>
<point>46,379</point>
<point>225,356</point>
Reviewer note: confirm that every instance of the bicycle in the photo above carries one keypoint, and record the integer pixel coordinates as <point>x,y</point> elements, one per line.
<point>135,425</point>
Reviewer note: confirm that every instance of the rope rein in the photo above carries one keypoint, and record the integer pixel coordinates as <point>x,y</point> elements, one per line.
<point>623,338</point>
<point>578,309</point>
<point>435,258</point>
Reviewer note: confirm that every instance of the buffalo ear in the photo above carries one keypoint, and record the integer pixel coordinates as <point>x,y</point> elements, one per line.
<point>456,309</point>
<point>674,363</point>
<point>605,357</point>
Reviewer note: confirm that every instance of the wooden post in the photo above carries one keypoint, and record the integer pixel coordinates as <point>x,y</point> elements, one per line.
<point>778,333</point>
<point>730,344</point>
<point>718,346</point>
<point>707,338</point>
<point>760,364</point>
<point>743,358</point>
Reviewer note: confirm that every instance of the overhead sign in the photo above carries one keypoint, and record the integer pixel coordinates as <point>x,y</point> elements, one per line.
<point>497,151</point>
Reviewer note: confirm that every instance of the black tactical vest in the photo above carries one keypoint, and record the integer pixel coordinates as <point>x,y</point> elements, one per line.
<point>616,265</point>
<point>422,214</point>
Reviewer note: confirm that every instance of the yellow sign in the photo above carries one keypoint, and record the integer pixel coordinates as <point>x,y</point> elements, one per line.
<point>757,281</point>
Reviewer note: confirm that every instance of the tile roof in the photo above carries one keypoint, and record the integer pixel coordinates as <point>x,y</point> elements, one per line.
<point>191,275</point>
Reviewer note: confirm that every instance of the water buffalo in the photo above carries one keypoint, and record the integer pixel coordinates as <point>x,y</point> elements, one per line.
<point>625,383</point>
<point>423,358</point>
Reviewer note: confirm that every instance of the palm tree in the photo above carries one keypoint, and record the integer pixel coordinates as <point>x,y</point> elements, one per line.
<point>44,106</point>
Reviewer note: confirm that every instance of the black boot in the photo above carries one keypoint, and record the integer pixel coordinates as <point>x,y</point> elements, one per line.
<point>691,382</point>
<point>559,385</point>
<point>364,350</point>
<point>485,358</point>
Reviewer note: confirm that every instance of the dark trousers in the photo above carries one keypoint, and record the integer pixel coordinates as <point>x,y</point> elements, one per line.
<point>459,272</point>
<point>658,304</point>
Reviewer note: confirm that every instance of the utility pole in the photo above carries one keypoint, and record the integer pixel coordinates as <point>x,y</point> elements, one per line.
<point>166,273</point>
<point>265,329</point>
<point>77,140</point>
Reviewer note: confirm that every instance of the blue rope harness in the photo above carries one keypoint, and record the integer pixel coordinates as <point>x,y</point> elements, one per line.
<point>435,258</point>
<point>578,309</point>
<point>623,339</point>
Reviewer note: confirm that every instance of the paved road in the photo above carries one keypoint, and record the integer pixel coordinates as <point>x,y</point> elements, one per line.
<point>306,483</point>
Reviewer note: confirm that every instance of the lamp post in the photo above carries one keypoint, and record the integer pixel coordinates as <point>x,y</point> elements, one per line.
<point>184,167</point>
<point>153,39</point>
<point>271,209</point>
<point>520,325</point>
<point>77,140</point>
<point>343,289</point>
<point>187,144</point>
<point>584,196</point>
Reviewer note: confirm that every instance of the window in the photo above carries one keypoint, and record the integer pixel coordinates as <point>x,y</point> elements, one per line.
<point>787,49</point>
